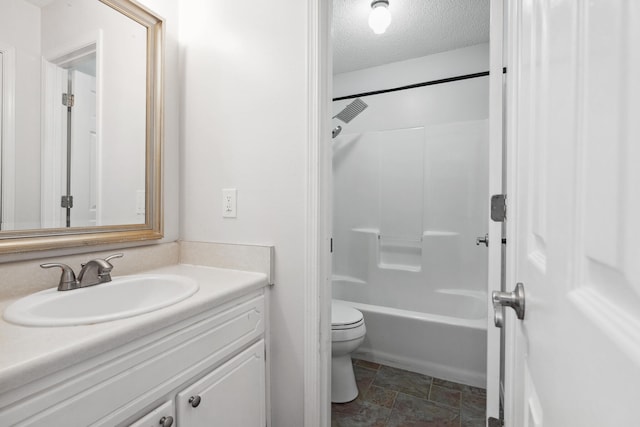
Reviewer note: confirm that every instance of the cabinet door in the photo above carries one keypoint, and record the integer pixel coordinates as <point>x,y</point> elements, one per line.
<point>162,416</point>
<point>231,396</point>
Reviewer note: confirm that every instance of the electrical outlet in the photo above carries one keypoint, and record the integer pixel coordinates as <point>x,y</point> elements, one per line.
<point>229,202</point>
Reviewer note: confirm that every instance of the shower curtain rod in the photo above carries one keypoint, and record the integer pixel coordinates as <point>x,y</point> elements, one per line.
<point>415,85</point>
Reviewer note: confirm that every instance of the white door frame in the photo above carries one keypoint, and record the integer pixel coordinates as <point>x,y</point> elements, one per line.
<point>317,298</point>
<point>7,166</point>
<point>496,130</point>
<point>317,271</point>
<point>510,47</point>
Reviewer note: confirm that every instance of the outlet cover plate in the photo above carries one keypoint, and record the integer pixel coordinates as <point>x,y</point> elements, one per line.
<point>229,207</point>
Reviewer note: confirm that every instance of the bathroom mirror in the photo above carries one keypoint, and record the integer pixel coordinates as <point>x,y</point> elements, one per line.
<point>81,123</point>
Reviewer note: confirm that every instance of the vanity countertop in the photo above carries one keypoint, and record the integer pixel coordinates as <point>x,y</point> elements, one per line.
<point>29,353</point>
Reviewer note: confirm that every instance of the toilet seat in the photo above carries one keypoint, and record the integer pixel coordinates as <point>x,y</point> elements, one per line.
<point>347,323</point>
<point>339,335</point>
<point>344,316</point>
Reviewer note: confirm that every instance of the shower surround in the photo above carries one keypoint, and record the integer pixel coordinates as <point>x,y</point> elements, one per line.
<point>410,197</point>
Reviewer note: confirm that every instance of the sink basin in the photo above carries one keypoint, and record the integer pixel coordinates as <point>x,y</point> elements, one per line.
<point>124,296</point>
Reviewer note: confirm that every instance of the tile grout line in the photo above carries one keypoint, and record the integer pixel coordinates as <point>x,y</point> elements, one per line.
<point>460,410</point>
<point>374,369</point>
<point>393,406</point>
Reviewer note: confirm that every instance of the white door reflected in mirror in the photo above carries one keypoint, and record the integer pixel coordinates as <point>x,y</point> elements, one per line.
<point>72,199</point>
<point>81,123</point>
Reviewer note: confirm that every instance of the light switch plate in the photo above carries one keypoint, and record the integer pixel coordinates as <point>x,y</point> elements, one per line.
<point>229,197</point>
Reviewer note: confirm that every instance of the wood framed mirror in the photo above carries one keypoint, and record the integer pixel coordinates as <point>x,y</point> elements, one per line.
<point>81,127</point>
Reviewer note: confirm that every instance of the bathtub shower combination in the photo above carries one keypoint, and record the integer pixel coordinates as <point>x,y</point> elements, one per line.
<point>410,197</point>
<point>450,345</point>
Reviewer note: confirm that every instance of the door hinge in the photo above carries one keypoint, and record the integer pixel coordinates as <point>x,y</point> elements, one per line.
<point>331,245</point>
<point>66,201</point>
<point>68,99</point>
<point>499,207</point>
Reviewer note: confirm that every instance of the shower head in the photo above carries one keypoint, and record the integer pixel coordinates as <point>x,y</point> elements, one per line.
<point>336,131</point>
<point>351,111</point>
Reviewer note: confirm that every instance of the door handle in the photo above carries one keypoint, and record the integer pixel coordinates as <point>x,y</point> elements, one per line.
<point>484,240</point>
<point>514,299</point>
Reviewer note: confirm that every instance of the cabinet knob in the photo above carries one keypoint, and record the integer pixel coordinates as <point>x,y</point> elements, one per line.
<point>166,421</point>
<point>194,401</point>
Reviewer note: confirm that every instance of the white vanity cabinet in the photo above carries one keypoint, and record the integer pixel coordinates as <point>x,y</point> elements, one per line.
<point>232,395</point>
<point>217,355</point>
<point>163,416</point>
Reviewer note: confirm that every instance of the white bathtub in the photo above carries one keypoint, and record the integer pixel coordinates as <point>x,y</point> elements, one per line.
<point>448,341</point>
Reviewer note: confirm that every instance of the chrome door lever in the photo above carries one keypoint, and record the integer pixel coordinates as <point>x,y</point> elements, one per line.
<point>514,299</point>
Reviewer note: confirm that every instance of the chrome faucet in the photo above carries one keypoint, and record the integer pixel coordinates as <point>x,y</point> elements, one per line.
<point>92,273</point>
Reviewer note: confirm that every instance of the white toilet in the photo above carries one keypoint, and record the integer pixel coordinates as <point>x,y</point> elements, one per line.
<point>347,333</point>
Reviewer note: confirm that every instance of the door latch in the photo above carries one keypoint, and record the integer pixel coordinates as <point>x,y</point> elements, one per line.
<point>498,207</point>
<point>514,299</point>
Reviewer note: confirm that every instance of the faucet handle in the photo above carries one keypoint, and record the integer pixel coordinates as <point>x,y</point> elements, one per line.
<point>104,274</point>
<point>110,257</point>
<point>67,279</point>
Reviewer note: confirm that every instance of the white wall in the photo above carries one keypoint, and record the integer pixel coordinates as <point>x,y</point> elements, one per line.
<point>468,60</point>
<point>20,29</point>
<point>411,182</point>
<point>244,124</point>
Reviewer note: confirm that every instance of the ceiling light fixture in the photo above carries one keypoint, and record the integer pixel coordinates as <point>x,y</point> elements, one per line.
<point>380,17</point>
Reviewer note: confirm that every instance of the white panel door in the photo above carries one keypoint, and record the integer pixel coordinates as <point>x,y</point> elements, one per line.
<point>7,136</point>
<point>233,395</point>
<point>1,140</point>
<point>54,145</point>
<point>574,122</point>
<point>84,151</point>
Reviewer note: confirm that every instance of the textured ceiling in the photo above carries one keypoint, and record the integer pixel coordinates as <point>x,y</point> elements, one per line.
<point>418,28</point>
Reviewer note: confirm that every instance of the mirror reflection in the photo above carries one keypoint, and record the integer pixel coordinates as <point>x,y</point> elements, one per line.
<point>73,122</point>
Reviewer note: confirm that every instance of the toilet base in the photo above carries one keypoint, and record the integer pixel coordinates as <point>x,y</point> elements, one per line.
<point>343,380</point>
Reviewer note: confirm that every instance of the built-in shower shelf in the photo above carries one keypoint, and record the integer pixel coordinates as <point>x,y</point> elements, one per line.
<point>367,230</point>
<point>403,253</point>
<point>439,233</point>
<point>400,253</point>
<point>400,267</point>
<point>348,279</point>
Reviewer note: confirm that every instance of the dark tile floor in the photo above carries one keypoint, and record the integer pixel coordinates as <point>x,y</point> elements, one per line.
<point>391,397</point>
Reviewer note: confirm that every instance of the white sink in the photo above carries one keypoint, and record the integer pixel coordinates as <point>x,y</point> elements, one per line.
<point>124,296</point>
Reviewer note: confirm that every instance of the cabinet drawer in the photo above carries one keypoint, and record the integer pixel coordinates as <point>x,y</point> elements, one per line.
<point>163,416</point>
<point>233,395</point>
<point>109,390</point>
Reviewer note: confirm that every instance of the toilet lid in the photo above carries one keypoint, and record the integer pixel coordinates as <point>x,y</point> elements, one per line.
<point>344,315</point>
